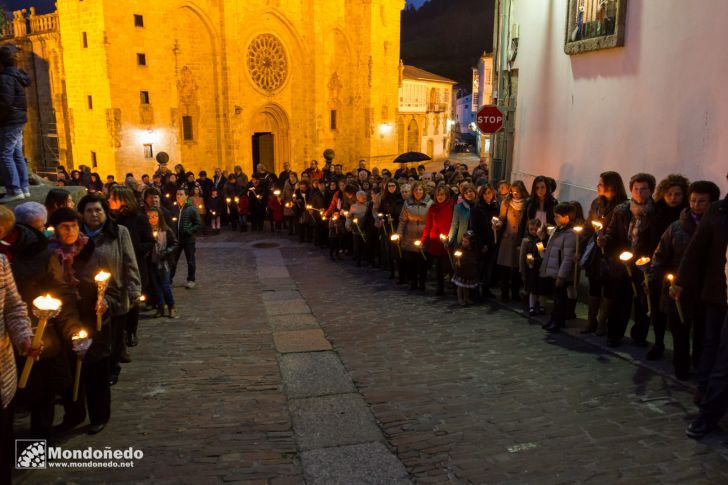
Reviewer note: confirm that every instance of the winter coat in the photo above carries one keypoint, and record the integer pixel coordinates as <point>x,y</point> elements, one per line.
<point>189,223</point>
<point>15,326</point>
<point>481,217</point>
<point>595,263</point>
<point>142,239</point>
<point>391,207</point>
<point>705,257</point>
<point>206,185</point>
<point>300,201</point>
<point>439,220</point>
<point>412,222</point>
<point>532,208</point>
<point>257,200</point>
<point>115,251</point>
<point>558,259</point>
<point>275,209</point>
<point>38,272</point>
<point>666,215</point>
<point>461,222</point>
<point>215,206</point>
<point>164,250</point>
<point>617,234</point>
<point>667,257</point>
<point>243,205</point>
<point>357,211</point>
<point>13,102</point>
<point>509,242</point>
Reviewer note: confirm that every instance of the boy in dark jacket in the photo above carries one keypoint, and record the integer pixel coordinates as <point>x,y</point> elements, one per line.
<point>188,225</point>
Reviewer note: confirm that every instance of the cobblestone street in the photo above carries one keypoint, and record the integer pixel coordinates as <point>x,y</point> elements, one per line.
<point>285,367</point>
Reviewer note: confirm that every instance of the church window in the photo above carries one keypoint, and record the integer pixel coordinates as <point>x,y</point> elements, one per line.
<point>138,20</point>
<point>187,134</point>
<point>144,97</point>
<point>84,40</point>
<point>148,150</point>
<point>90,101</point>
<point>141,59</point>
<point>333,119</point>
<point>94,163</point>
<point>267,62</point>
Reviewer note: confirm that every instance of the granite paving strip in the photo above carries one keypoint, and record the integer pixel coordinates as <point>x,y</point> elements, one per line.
<point>333,425</point>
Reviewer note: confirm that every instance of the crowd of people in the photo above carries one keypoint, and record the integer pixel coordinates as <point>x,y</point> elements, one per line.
<point>653,252</point>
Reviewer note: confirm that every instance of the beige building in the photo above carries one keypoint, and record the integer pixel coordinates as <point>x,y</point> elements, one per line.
<point>218,83</point>
<point>424,123</point>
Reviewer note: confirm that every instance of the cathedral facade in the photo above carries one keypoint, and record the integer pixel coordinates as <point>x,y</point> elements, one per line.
<point>226,82</point>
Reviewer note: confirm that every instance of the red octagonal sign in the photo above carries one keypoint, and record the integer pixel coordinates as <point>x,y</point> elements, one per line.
<point>490,119</point>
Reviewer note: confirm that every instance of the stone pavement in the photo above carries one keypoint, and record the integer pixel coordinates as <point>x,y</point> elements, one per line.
<point>287,368</point>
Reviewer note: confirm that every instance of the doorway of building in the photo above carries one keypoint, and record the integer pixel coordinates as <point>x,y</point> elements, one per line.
<point>263,151</point>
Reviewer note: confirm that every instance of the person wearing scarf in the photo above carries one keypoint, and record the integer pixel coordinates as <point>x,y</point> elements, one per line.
<point>508,226</point>
<point>632,229</point>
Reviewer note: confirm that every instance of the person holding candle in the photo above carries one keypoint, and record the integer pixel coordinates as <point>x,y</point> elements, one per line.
<point>152,197</point>
<point>215,206</point>
<point>82,255</point>
<point>318,204</point>
<point>437,224</point>
<point>540,205</point>
<point>558,263</point>
<point>484,212</point>
<point>665,261</point>
<point>113,243</point>
<point>275,210</point>
<point>302,207</point>
<point>390,207</point>
<point>411,224</point>
<point>229,193</point>
<point>530,261</point>
<point>164,249</point>
<point>243,207</point>
<point>701,269</point>
<point>610,193</point>
<point>507,227</point>
<point>125,211</point>
<point>15,331</point>
<point>357,223</point>
<point>671,199</point>
<point>632,229</point>
<point>465,276</point>
<point>38,273</point>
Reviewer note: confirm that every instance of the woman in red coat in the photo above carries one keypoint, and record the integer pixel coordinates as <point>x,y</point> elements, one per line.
<point>439,219</point>
<point>275,210</point>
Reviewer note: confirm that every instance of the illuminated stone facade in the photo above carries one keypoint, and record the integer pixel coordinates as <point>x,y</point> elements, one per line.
<point>224,83</point>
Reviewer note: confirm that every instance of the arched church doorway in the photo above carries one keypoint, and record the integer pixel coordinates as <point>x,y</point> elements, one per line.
<point>270,140</point>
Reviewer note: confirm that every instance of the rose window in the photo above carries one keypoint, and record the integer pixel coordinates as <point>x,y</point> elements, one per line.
<point>267,62</point>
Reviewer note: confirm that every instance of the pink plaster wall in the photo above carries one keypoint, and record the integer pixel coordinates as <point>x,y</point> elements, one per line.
<point>659,104</point>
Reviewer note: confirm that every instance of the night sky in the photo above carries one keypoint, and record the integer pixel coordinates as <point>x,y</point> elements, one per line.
<point>41,6</point>
<point>45,6</point>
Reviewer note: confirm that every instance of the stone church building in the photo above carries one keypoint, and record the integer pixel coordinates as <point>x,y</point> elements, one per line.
<point>211,82</point>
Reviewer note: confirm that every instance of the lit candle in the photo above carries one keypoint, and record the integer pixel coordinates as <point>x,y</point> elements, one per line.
<point>626,257</point>
<point>643,264</point>
<point>598,227</point>
<point>228,200</point>
<point>345,213</point>
<point>155,234</point>
<point>443,238</point>
<point>276,193</point>
<point>418,245</point>
<point>395,239</point>
<point>102,280</point>
<point>199,206</point>
<point>358,228</point>
<point>237,199</point>
<point>550,230</point>
<point>495,221</point>
<point>174,219</point>
<point>540,247</point>
<point>678,304</point>
<point>530,258</point>
<point>577,230</point>
<point>79,361</point>
<point>166,195</point>
<point>44,307</point>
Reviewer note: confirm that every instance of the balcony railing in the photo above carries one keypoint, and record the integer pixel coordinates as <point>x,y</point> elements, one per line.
<point>43,23</point>
<point>436,107</point>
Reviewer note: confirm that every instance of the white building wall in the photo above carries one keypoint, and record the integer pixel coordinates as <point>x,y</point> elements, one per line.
<point>659,104</point>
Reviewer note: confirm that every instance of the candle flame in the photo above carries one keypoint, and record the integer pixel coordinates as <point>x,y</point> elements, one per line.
<point>443,237</point>
<point>51,229</point>
<point>529,257</point>
<point>379,214</point>
<point>418,243</point>
<point>143,298</point>
<point>276,193</point>
<point>671,278</point>
<point>228,200</point>
<point>47,302</point>
<point>80,335</point>
<point>102,276</point>
<point>166,195</point>
<point>237,199</point>
<point>539,246</point>
<point>626,256</point>
<point>457,253</point>
<point>578,229</point>
<point>394,237</point>
<point>356,220</point>
<point>643,261</point>
<point>199,206</point>
<point>495,220</point>
<point>597,225</point>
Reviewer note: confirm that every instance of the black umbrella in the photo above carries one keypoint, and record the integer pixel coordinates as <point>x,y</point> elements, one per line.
<point>411,157</point>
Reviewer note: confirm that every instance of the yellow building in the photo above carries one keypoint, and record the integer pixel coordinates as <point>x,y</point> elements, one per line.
<point>424,121</point>
<point>237,82</point>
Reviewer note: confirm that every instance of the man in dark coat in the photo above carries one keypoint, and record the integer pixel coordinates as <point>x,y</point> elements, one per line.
<point>13,116</point>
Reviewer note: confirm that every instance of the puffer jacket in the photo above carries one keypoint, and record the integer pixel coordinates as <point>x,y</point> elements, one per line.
<point>667,257</point>
<point>412,222</point>
<point>704,259</point>
<point>558,258</point>
<point>13,101</point>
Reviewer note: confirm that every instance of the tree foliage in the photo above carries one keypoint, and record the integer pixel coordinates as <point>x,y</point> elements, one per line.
<point>448,37</point>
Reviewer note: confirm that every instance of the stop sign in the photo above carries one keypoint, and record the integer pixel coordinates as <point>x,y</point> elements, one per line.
<point>490,119</point>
